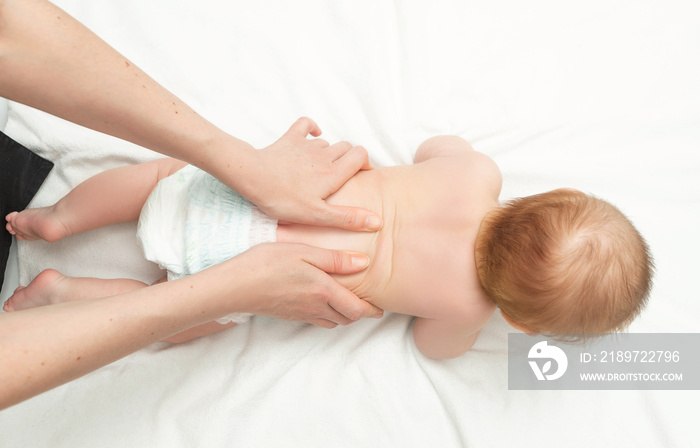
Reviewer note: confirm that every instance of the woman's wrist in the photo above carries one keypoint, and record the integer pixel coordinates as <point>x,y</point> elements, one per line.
<point>228,159</point>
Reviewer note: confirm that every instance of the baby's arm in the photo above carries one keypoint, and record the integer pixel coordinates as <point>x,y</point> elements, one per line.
<point>442,146</point>
<point>450,335</point>
<point>444,338</point>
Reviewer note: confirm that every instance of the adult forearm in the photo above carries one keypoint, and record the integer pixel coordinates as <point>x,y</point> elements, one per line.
<point>51,345</point>
<point>48,346</point>
<point>48,60</point>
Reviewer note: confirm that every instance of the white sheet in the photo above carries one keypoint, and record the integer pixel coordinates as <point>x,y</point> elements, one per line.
<point>600,95</point>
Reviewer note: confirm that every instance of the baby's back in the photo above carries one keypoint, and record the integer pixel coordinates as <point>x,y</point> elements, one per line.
<point>423,257</point>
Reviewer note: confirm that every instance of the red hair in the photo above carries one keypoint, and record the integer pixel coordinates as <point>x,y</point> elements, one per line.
<point>564,262</point>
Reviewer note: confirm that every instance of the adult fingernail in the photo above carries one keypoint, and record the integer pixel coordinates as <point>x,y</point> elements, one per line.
<point>360,261</point>
<point>373,222</point>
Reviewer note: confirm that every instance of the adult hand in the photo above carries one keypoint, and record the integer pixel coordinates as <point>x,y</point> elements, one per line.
<point>295,175</point>
<point>291,281</point>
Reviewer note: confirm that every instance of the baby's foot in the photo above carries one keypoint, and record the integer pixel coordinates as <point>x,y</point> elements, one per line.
<point>35,224</point>
<point>43,290</point>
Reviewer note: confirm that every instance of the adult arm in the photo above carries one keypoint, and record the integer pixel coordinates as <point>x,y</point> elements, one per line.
<point>49,61</point>
<point>44,347</point>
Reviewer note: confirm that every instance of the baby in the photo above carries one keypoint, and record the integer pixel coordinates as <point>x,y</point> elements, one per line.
<point>448,253</point>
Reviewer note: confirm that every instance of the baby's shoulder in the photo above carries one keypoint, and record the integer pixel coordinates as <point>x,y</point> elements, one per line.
<point>474,164</point>
<point>468,173</point>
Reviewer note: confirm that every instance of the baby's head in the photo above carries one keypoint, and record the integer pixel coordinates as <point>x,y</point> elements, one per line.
<point>564,262</point>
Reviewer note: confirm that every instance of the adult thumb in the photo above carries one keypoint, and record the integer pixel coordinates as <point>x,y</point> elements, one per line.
<point>341,262</point>
<point>350,218</point>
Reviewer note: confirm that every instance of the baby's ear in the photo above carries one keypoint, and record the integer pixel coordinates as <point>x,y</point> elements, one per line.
<point>516,325</point>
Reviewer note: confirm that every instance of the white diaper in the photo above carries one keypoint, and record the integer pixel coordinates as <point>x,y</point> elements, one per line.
<point>192,221</point>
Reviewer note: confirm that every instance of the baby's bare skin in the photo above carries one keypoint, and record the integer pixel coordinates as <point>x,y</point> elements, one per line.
<point>422,260</point>
<point>423,257</point>
<point>32,225</point>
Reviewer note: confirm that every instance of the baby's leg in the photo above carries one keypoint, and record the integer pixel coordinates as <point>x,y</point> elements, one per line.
<point>110,197</point>
<point>50,286</point>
